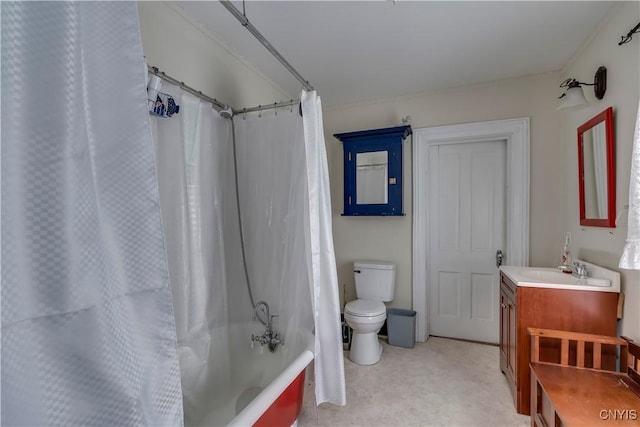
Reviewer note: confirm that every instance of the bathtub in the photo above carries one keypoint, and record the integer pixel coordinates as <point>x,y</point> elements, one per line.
<point>256,387</point>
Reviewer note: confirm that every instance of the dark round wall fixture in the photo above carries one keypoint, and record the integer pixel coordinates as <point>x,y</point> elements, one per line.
<point>600,82</point>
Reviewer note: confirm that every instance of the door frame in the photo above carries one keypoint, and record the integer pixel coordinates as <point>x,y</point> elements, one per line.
<point>516,134</point>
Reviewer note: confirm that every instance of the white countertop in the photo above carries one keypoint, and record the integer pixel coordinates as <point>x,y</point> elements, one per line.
<point>602,280</point>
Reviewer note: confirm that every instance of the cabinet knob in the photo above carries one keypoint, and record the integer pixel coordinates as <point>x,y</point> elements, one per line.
<point>504,305</point>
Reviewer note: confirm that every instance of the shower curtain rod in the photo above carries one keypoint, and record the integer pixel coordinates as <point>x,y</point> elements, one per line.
<point>156,72</point>
<point>253,30</point>
<point>219,105</point>
<point>267,107</point>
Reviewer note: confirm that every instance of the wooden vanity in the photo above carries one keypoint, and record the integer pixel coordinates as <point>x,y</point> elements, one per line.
<point>576,310</point>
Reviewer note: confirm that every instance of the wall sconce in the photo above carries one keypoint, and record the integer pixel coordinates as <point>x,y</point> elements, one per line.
<point>574,97</point>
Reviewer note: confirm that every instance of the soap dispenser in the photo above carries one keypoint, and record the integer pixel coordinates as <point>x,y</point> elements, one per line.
<point>566,254</point>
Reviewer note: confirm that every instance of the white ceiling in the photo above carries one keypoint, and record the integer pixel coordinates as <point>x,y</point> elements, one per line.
<point>354,51</point>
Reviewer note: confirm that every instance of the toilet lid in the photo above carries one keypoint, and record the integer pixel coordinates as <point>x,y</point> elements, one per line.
<point>363,307</point>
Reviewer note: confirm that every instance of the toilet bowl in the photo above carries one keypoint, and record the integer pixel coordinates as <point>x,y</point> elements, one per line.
<point>365,318</point>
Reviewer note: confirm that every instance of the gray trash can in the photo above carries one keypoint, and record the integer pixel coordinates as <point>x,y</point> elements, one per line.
<point>401,327</point>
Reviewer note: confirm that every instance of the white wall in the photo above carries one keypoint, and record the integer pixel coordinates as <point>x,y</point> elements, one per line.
<point>603,246</point>
<point>389,238</point>
<point>186,51</point>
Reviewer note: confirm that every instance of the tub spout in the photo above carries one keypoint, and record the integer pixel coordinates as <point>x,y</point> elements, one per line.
<point>275,342</point>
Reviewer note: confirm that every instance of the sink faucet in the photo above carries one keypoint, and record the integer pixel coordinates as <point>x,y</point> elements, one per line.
<point>269,338</point>
<point>580,270</point>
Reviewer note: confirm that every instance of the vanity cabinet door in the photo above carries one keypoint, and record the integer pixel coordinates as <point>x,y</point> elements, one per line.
<point>504,330</point>
<point>508,333</point>
<point>513,334</point>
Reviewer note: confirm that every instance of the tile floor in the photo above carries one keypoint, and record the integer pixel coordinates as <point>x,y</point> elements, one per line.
<point>442,382</point>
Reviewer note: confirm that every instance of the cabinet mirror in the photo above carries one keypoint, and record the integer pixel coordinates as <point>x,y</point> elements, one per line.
<point>596,171</point>
<point>372,170</point>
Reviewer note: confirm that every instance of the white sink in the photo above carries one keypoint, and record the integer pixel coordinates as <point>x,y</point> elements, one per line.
<point>602,279</point>
<point>560,278</point>
<point>551,276</point>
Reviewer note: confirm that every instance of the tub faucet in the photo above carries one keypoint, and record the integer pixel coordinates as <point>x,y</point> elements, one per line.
<point>269,338</point>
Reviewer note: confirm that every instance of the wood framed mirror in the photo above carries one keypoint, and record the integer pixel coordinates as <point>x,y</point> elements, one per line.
<point>596,171</point>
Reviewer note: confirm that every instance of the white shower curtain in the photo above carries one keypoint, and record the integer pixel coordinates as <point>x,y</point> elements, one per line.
<point>273,205</point>
<point>195,175</point>
<point>286,211</point>
<point>284,230</point>
<point>329,364</point>
<point>88,334</point>
<point>630,258</point>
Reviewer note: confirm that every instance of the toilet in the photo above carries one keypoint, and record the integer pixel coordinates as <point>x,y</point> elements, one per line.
<point>375,284</point>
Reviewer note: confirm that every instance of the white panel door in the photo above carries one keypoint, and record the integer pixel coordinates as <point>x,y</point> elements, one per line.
<point>466,228</point>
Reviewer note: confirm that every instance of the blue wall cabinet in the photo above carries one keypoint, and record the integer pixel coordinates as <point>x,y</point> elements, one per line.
<point>373,171</point>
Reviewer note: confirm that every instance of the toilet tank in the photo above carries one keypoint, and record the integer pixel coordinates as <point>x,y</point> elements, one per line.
<point>375,280</point>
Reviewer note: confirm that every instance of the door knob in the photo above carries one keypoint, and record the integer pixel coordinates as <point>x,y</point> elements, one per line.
<point>499,257</point>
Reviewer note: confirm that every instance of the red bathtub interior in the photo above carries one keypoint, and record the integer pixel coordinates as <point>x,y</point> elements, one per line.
<point>286,408</point>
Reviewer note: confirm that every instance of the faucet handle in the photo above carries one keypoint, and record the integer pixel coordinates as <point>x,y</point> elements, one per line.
<point>580,270</point>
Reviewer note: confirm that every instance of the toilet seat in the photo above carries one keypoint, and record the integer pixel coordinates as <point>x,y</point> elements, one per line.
<point>365,308</point>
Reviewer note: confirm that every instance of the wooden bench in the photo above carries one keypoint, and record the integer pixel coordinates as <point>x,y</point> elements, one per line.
<point>632,379</point>
<point>582,341</point>
<point>575,389</point>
